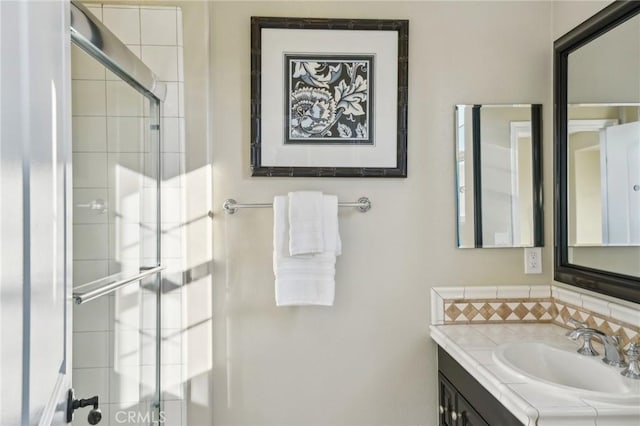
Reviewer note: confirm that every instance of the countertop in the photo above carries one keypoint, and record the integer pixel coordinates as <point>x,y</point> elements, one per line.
<point>472,345</point>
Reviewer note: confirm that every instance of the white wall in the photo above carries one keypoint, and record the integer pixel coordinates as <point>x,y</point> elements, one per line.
<point>368,360</point>
<point>568,14</point>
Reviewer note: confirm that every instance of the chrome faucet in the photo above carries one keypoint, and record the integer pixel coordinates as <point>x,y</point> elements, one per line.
<point>633,370</point>
<point>613,354</point>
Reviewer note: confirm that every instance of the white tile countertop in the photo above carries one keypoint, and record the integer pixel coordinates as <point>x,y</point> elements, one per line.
<point>472,346</point>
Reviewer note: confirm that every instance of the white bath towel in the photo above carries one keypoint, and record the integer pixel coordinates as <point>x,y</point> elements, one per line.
<point>307,279</point>
<point>305,222</point>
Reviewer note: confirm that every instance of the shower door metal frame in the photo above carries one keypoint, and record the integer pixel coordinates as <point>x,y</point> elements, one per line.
<point>93,37</point>
<point>98,41</point>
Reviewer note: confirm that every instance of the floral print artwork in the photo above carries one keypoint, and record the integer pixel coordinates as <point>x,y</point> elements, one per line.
<point>329,99</point>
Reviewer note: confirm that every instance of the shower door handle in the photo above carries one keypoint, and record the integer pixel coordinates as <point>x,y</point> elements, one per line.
<point>98,205</point>
<point>95,415</point>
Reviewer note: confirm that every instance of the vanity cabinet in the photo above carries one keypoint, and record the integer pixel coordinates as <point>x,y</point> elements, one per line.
<point>465,402</point>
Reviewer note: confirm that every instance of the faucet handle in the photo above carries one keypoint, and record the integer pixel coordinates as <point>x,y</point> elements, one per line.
<point>633,369</point>
<point>587,347</point>
<point>582,330</point>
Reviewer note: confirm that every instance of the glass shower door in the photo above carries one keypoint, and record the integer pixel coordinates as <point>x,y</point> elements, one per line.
<point>116,350</point>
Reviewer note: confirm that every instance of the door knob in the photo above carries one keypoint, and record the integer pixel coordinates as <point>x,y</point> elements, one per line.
<point>95,415</point>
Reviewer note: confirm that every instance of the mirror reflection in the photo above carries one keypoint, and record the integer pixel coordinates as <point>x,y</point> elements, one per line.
<point>603,152</point>
<point>498,180</point>
<point>603,182</point>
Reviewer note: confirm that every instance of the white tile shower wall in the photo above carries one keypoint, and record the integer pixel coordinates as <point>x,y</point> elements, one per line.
<point>114,346</point>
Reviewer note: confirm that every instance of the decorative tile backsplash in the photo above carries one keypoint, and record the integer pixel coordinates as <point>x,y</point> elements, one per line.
<point>527,304</point>
<point>488,310</point>
<point>627,331</point>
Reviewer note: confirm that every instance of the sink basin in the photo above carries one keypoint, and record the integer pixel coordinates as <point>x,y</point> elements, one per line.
<point>587,377</point>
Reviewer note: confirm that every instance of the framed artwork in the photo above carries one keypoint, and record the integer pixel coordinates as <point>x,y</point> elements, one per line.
<point>329,97</point>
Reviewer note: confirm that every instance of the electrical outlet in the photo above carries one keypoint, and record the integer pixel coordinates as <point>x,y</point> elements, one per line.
<point>533,260</point>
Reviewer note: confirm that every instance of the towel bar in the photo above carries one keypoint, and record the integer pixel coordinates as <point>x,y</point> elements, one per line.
<point>230,206</point>
<point>81,298</point>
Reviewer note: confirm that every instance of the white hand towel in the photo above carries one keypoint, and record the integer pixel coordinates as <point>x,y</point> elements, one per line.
<point>305,279</point>
<point>305,222</point>
<point>330,229</point>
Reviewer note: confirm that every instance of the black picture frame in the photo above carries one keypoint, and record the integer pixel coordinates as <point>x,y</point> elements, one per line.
<point>601,281</point>
<point>330,138</point>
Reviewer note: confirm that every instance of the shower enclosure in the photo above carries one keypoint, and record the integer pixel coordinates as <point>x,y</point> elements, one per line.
<point>116,103</point>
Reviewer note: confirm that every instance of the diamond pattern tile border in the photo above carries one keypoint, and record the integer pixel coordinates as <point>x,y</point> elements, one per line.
<point>545,310</point>
<point>627,332</point>
<point>498,310</point>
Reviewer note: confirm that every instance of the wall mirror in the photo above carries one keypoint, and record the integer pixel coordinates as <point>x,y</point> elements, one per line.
<point>597,157</point>
<point>498,176</point>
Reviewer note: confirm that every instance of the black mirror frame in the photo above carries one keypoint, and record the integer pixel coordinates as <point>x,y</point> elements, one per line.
<point>625,287</point>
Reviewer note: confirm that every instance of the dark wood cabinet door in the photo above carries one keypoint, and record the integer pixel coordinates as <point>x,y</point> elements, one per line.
<point>447,400</point>
<point>466,414</point>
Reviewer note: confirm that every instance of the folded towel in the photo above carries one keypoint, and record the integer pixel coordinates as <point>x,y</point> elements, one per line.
<point>305,279</point>
<point>305,222</point>
<point>330,230</point>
